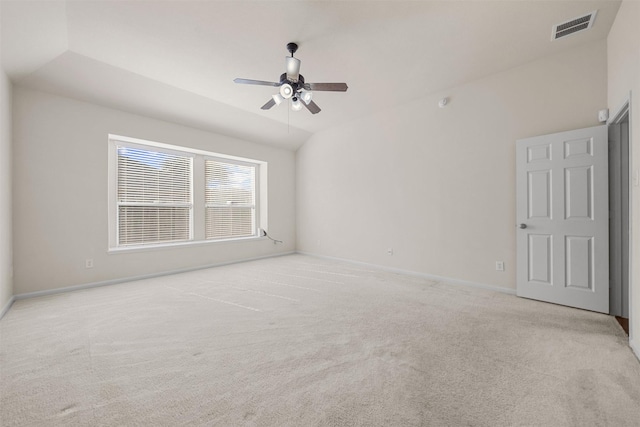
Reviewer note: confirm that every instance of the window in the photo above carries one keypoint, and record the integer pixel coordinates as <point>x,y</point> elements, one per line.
<point>229,199</point>
<point>154,197</point>
<point>156,201</point>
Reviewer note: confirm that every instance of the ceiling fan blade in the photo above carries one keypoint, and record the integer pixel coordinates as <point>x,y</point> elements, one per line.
<point>293,68</point>
<point>255,82</point>
<point>270,103</point>
<point>313,107</point>
<point>331,87</point>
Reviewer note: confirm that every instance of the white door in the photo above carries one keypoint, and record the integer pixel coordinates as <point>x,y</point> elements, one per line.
<point>563,218</point>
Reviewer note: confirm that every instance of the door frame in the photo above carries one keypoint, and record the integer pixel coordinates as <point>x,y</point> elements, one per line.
<point>626,110</point>
<point>619,195</point>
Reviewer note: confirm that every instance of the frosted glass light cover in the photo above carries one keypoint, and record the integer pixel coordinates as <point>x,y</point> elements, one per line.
<point>277,98</point>
<point>286,91</point>
<point>306,96</point>
<point>296,105</point>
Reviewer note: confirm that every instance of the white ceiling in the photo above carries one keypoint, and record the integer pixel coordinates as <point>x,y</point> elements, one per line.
<point>176,60</point>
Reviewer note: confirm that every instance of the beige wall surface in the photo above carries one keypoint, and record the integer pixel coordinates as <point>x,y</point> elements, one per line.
<point>61,197</point>
<point>6,279</point>
<point>623,51</point>
<point>438,185</point>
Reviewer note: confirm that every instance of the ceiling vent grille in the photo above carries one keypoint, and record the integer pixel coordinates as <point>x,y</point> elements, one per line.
<point>573,26</point>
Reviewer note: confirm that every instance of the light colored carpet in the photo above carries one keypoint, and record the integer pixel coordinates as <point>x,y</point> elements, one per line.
<point>303,341</point>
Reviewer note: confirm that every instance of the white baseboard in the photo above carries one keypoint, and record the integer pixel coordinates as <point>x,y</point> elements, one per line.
<point>7,306</point>
<point>418,274</point>
<point>134,278</point>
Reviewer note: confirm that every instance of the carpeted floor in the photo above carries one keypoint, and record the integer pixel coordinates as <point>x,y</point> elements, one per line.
<point>303,341</point>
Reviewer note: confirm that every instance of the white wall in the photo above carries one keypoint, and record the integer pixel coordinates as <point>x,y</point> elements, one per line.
<point>623,49</point>
<point>60,194</point>
<point>438,185</point>
<point>6,279</point>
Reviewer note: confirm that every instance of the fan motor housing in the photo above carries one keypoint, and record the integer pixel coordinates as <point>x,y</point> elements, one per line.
<point>295,85</point>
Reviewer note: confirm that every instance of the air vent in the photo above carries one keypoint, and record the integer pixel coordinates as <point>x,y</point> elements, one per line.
<point>573,26</point>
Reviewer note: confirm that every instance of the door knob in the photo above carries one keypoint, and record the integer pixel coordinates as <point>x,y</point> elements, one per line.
<point>523,226</point>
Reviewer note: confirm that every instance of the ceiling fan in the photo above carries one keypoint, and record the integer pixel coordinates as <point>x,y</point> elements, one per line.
<point>292,85</point>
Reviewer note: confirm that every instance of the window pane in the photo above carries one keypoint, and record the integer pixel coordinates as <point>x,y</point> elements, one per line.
<point>148,224</point>
<point>222,222</point>
<point>229,183</point>
<point>153,177</point>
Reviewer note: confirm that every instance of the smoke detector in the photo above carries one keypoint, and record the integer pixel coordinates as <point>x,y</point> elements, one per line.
<point>572,26</point>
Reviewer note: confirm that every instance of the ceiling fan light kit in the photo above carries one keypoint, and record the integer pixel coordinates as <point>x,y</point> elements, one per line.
<point>306,96</point>
<point>292,85</point>
<point>296,105</point>
<point>277,98</point>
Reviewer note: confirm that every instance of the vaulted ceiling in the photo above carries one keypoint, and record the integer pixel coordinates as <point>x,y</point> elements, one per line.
<point>176,60</point>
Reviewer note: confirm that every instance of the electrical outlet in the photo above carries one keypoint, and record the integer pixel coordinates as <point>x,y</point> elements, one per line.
<point>88,263</point>
<point>499,265</point>
<point>390,251</point>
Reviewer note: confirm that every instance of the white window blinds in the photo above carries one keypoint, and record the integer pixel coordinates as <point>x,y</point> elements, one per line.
<point>154,196</point>
<point>230,196</point>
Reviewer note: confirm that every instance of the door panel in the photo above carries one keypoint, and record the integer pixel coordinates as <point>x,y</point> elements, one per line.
<point>578,193</point>
<point>579,262</point>
<point>538,153</point>
<point>540,259</point>
<point>562,207</point>
<point>539,194</point>
<point>578,147</point>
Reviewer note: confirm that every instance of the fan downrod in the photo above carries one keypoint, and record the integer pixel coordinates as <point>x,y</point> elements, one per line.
<point>292,48</point>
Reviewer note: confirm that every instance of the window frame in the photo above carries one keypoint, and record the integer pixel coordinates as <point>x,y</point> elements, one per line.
<point>197,211</point>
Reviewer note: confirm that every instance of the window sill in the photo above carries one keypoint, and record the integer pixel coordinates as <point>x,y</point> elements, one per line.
<point>161,246</point>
